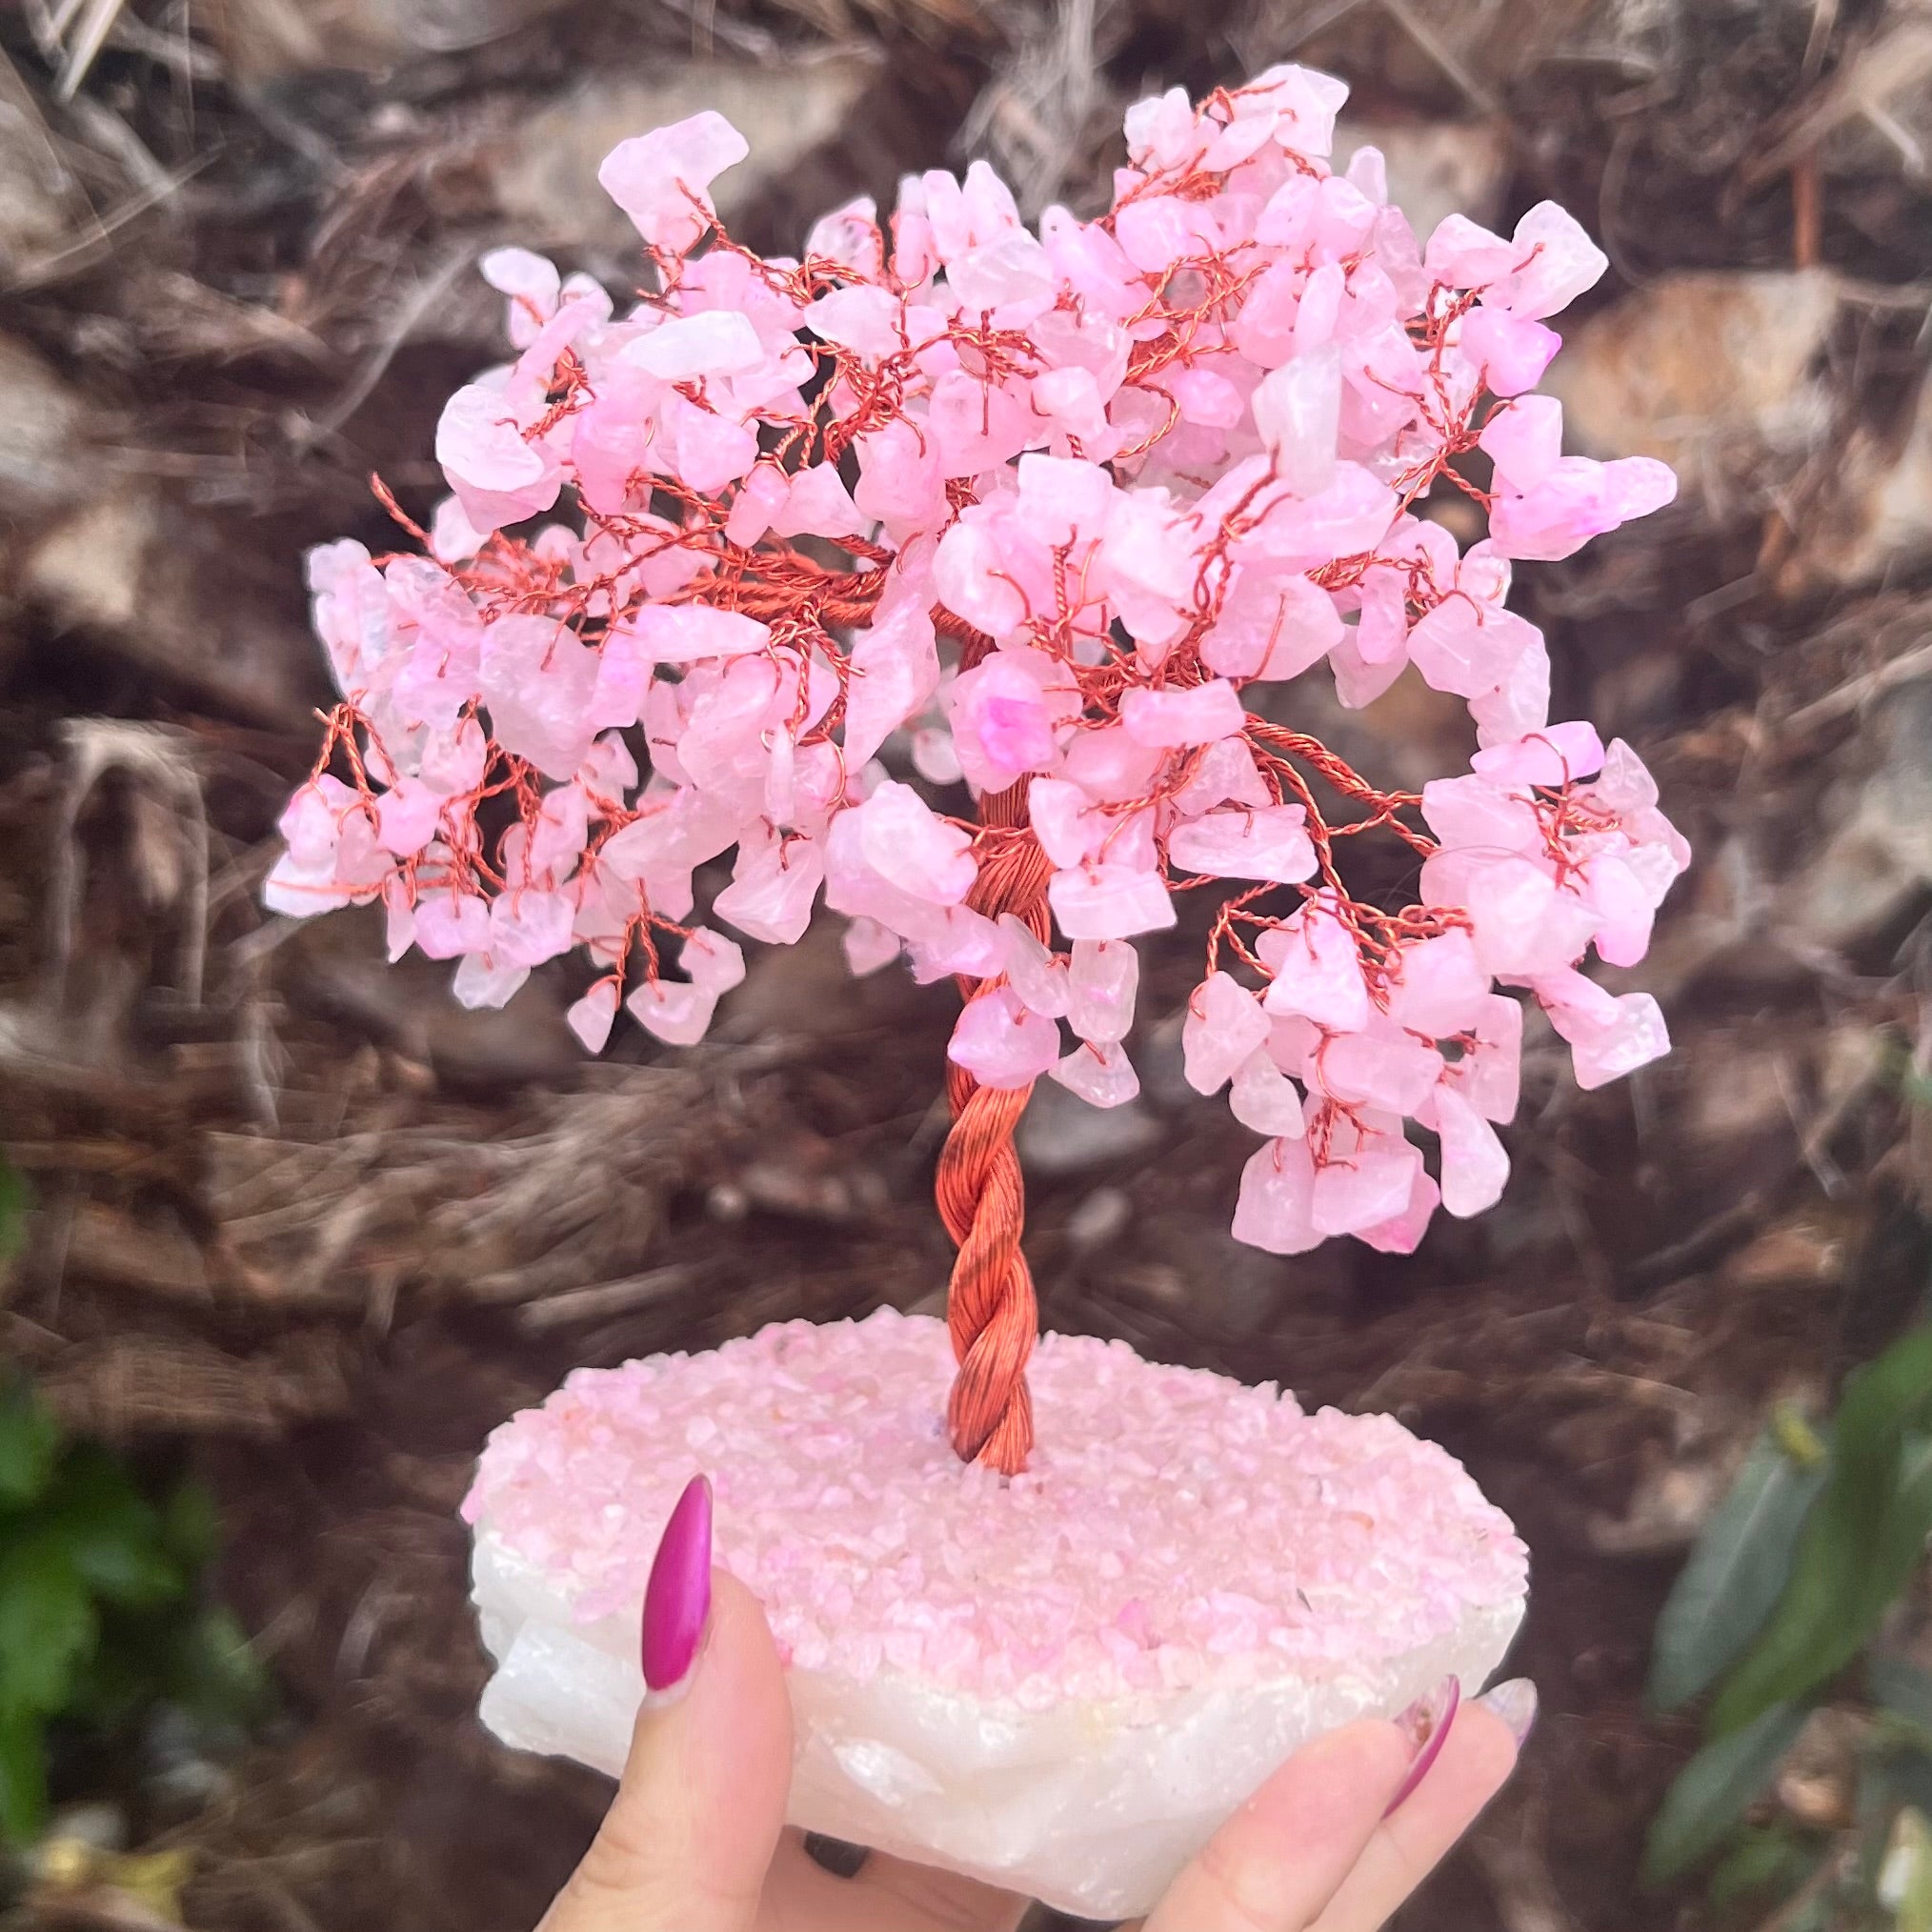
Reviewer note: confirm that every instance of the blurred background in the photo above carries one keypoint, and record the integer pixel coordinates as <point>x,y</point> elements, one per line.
<point>285,1231</point>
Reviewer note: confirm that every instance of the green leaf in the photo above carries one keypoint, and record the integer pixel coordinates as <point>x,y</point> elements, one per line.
<point>1900,1688</point>
<point>46,1625</point>
<point>1734,1576</point>
<point>216,1674</point>
<point>190,1528</point>
<point>1772,1859</point>
<point>1863,1538</point>
<point>29,1441</point>
<point>23,1777</point>
<point>111,1534</point>
<point>1713,1791</point>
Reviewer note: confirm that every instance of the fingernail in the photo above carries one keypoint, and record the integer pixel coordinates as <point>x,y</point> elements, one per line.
<point>1515,1702</point>
<point>677,1597</point>
<point>1425,1724</point>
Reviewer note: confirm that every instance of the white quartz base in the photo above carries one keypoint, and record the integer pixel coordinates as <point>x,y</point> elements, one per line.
<point>1092,1807</point>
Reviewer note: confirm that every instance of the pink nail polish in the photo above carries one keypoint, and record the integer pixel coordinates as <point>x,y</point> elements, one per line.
<point>677,1597</point>
<point>1425,1724</point>
<point>1515,1702</point>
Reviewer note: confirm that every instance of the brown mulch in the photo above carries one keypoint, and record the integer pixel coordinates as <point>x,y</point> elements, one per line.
<point>306,1222</point>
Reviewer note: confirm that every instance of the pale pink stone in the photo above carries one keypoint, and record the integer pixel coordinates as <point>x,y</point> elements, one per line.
<point>1195,715</point>
<point>1317,969</point>
<point>1391,1071</point>
<point>1442,986</point>
<point>901,480</point>
<point>1011,268</point>
<point>895,670</point>
<point>714,342</point>
<point>1148,565</point>
<point>711,961</point>
<point>1556,263</point>
<point>868,946</point>
<point>1603,1052</point>
<point>1264,1100</point>
<point>480,445</point>
<point>1205,397</point>
<point>1462,648</point>
<point>1509,351</point>
<point>398,918</point>
<point>862,317</point>
<point>955,941</point>
<point>1224,1028</point>
<point>452,537</point>
<point>772,889</point>
<point>1401,1234</point>
<point>1102,979</point>
<point>1349,516</point>
<point>1524,440</point>
<point>1474,1164</point>
<point>935,756</point>
<point>1371,1186</point>
<point>675,1010</point>
<point>1063,499</point>
<point>1275,1210</point>
<point>1574,1000</point>
<point>1525,925</point>
<point>1558,754</point>
<point>448,924</point>
<point>1519,704</point>
<point>1271,843</point>
<point>1107,900</point>
<point>1489,1075</point>
<point>1480,814</point>
<point>1036,974</point>
<point>591,1016</point>
<point>1298,410</point>
<point>1003,723</point>
<point>1271,626</point>
<point>532,285</point>
<point>1225,772</point>
<point>1579,499</point>
<point>1110,764</point>
<point>819,504</point>
<point>661,179</point>
<point>683,634</point>
<point>406,817</point>
<point>1463,254</point>
<point>1000,1044</point>
<point>1099,1073</point>
<point>1063,820</point>
<point>482,981</point>
<point>1624,908</point>
<point>527,927</point>
<point>908,845</point>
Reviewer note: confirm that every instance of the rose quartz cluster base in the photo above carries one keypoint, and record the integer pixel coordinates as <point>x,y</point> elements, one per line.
<point>1060,1684</point>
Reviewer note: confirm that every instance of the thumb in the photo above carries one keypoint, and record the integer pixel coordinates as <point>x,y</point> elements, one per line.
<point>687,1842</point>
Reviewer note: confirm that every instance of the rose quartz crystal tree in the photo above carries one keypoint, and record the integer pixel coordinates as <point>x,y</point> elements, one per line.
<point>1061,516</point>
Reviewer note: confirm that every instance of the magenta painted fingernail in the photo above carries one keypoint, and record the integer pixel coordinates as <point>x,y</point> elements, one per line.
<point>677,1597</point>
<point>1515,1701</point>
<point>1425,1724</point>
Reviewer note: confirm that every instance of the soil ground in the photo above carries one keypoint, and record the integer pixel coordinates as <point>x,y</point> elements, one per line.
<point>309,1227</point>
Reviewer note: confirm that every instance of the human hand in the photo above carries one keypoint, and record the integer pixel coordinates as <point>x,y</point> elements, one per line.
<point>694,1840</point>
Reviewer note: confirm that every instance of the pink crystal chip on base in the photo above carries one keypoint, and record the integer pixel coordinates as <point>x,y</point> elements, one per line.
<point>1059,1683</point>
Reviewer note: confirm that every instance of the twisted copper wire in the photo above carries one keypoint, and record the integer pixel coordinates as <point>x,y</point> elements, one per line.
<point>991,1309</point>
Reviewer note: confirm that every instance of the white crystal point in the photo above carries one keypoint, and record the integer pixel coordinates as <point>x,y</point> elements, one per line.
<point>1061,1684</point>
